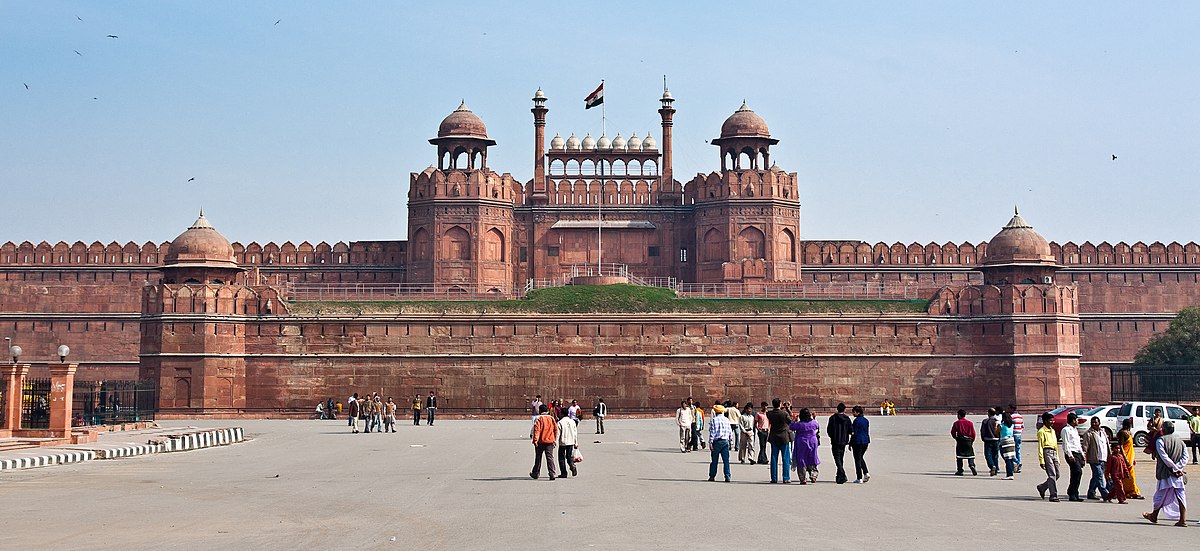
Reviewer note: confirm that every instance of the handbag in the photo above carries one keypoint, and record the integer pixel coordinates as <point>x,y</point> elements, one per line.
<point>577,456</point>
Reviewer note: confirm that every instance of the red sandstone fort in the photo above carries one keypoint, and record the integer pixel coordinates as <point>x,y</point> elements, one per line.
<point>211,323</point>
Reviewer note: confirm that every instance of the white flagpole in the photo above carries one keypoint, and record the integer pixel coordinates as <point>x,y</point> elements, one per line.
<point>600,203</point>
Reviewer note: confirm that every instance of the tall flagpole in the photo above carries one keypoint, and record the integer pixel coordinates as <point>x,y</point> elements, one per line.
<point>600,203</point>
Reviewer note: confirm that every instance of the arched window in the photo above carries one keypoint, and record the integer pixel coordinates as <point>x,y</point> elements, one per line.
<point>751,243</point>
<point>422,245</point>
<point>785,247</point>
<point>493,245</point>
<point>457,244</point>
<point>714,246</point>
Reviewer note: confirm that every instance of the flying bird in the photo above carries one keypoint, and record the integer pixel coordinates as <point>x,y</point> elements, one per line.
<point>191,179</point>
<point>277,21</point>
<point>79,18</point>
<point>77,53</point>
<point>1114,157</point>
<point>26,85</point>
<point>112,36</point>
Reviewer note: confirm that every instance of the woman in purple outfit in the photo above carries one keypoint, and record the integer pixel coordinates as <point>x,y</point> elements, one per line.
<point>804,452</point>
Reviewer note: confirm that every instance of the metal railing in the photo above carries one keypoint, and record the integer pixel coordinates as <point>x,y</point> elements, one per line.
<point>1155,383</point>
<point>35,404</point>
<point>113,402</point>
<point>823,291</point>
<point>305,292</point>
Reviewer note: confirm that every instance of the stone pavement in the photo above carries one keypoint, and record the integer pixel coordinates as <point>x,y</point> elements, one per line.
<point>465,485</point>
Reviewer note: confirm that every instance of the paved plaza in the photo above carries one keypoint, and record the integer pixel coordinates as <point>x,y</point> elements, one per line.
<point>464,484</point>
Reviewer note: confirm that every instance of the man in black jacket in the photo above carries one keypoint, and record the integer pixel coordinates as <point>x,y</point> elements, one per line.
<point>779,437</point>
<point>839,430</point>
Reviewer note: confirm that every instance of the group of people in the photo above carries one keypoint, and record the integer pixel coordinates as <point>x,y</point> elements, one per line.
<point>1111,463</point>
<point>792,436</point>
<point>557,427</point>
<point>377,414</point>
<point>561,407</point>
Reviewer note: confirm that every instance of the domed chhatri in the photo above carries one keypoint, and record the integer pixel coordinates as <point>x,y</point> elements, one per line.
<point>200,245</point>
<point>557,142</point>
<point>1018,254</point>
<point>1018,243</point>
<point>200,255</point>
<point>462,123</point>
<point>744,123</point>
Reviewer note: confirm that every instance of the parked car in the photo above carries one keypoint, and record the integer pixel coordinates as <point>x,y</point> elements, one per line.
<point>1142,412</point>
<point>1060,415</point>
<point>1108,420</point>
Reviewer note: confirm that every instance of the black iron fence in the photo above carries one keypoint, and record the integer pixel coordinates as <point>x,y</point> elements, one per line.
<point>35,404</point>
<point>112,402</point>
<point>1155,383</point>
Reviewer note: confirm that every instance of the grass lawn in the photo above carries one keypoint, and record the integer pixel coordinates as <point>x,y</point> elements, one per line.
<point>609,299</point>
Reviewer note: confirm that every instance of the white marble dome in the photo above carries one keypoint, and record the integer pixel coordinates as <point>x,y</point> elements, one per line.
<point>572,142</point>
<point>604,143</point>
<point>557,142</point>
<point>649,144</point>
<point>634,143</point>
<point>588,142</point>
<point>618,143</point>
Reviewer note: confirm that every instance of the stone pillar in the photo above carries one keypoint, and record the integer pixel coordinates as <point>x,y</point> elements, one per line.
<point>14,383</point>
<point>62,390</point>
<point>538,195</point>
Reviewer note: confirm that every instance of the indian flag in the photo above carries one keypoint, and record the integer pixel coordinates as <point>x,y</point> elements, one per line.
<point>595,98</point>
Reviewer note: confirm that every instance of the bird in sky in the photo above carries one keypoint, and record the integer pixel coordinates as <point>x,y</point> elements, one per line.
<point>112,36</point>
<point>79,18</point>
<point>1114,157</point>
<point>277,21</point>
<point>77,53</point>
<point>191,179</point>
<point>95,98</point>
<point>26,85</point>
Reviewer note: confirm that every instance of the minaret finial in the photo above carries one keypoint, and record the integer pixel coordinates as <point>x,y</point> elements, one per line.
<point>201,212</point>
<point>1015,211</point>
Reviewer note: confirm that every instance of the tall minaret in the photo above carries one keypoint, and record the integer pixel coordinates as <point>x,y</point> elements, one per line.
<point>667,183</point>
<point>538,194</point>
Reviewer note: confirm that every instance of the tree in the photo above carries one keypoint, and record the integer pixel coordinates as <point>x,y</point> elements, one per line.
<point>1178,345</point>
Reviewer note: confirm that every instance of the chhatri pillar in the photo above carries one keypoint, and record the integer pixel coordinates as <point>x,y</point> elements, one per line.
<point>14,382</point>
<point>62,390</point>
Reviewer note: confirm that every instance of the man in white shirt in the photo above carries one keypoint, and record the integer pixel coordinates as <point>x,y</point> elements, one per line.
<point>684,417</point>
<point>568,438</point>
<point>1068,439</point>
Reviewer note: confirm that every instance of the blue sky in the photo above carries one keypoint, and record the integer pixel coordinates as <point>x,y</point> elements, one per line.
<point>922,121</point>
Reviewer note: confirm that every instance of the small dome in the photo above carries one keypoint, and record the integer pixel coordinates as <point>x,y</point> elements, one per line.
<point>572,142</point>
<point>649,144</point>
<point>744,123</point>
<point>462,123</point>
<point>539,94</point>
<point>667,95</point>
<point>1018,243</point>
<point>635,143</point>
<point>588,142</point>
<point>557,142</point>
<point>604,143</point>
<point>618,142</point>
<point>200,245</point>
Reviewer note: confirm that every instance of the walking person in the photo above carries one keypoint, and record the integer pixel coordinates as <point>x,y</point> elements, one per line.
<point>1096,454</point>
<point>1125,439</point>
<point>1171,458</point>
<point>1048,457</point>
<point>838,430</point>
<point>430,407</point>
<point>989,433</point>
<point>720,434</point>
<point>1018,429</point>
<point>416,410</point>
<point>389,416</point>
<point>1117,470</point>
<point>807,442</point>
<point>963,432</point>
<point>545,435</point>
<point>746,426</point>
<point>698,440</point>
<point>377,413</point>
<point>1194,440</point>
<point>685,419</point>
<point>779,437</point>
<point>352,409</point>
<point>1008,446</point>
<point>568,438</point>
<point>1072,449</point>
<point>599,412</point>
<point>860,437</point>
<point>762,429</point>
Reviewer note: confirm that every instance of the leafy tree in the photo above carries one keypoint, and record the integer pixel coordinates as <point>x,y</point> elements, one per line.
<point>1178,345</point>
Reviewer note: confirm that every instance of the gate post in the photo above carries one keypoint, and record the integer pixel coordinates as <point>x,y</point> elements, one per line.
<point>62,391</point>
<point>14,384</point>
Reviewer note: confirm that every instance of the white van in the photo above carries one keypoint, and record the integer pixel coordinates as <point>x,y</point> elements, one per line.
<point>1142,412</point>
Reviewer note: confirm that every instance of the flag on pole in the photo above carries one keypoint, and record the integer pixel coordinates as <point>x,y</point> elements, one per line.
<point>595,98</point>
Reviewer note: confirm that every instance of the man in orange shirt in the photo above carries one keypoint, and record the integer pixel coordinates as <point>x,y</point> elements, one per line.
<point>545,435</point>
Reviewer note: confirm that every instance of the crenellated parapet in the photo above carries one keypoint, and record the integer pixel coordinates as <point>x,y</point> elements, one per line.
<point>966,254</point>
<point>432,184</point>
<point>774,183</point>
<point>991,300</point>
